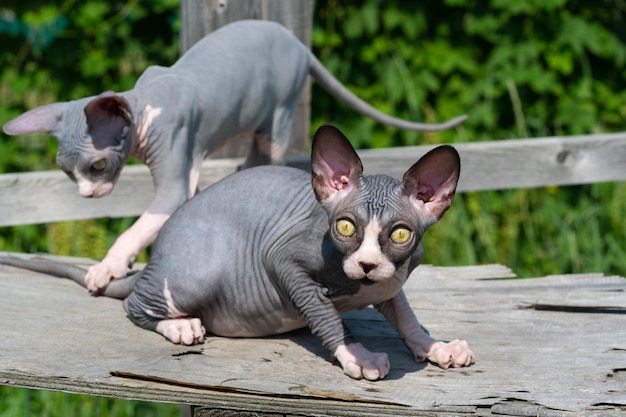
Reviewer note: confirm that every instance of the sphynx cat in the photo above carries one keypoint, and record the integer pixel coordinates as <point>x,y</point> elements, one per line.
<point>245,78</point>
<point>272,249</point>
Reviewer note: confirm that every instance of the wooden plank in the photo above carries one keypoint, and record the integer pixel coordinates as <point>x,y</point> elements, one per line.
<point>521,163</point>
<point>49,196</point>
<point>42,197</point>
<point>554,363</point>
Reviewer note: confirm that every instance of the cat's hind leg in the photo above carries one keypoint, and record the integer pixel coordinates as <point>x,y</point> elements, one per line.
<point>281,133</point>
<point>271,141</point>
<point>183,331</point>
<point>158,318</point>
<point>260,150</point>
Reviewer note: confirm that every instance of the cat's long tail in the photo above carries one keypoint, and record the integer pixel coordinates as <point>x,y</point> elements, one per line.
<point>119,288</point>
<point>340,92</point>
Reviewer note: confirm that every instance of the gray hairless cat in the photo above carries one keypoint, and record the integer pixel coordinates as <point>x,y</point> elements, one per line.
<point>244,78</point>
<point>260,253</point>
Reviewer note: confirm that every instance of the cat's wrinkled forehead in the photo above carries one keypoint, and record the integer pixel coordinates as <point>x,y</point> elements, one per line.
<point>73,128</point>
<point>377,193</point>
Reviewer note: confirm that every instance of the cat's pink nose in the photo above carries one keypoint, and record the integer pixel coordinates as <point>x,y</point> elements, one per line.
<point>367,267</point>
<point>87,193</point>
<point>86,189</point>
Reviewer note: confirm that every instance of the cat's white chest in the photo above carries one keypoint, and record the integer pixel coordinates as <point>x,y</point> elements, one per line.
<point>373,294</point>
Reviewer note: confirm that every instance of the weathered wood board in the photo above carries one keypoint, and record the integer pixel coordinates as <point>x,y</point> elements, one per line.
<point>42,197</point>
<point>552,346</point>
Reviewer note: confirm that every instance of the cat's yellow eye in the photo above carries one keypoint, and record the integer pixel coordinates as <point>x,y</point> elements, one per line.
<point>400,235</point>
<point>99,165</point>
<point>345,227</point>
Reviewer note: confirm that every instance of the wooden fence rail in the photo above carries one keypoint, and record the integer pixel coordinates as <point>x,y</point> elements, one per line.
<point>48,196</point>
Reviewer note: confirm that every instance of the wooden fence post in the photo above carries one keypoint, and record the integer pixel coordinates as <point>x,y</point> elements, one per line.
<point>200,17</point>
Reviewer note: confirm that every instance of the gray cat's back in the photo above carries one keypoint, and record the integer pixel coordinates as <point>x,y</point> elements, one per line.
<point>255,36</point>
<point>248,192</point>
<point>242,212</point>
<point>247,46</point>
<point>230,83</point>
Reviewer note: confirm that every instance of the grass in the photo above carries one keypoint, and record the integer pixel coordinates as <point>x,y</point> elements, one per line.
<point>22,402</point>
<point>551,230</point>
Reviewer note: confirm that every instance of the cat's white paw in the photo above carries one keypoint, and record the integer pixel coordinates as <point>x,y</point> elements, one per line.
<point>182,331</point>
<point>358,362</point>
<point>454,354</point>
<point>99,275</point>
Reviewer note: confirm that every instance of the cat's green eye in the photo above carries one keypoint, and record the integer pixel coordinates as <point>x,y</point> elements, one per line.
<point>400,235</point>
<point>345,227</point>
<point>99,165</point>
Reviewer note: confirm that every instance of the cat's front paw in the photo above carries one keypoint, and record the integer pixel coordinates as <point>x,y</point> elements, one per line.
<point>182,331</point>
<point>358,362</point>
<point>454,354</point>
<point>98,276</point>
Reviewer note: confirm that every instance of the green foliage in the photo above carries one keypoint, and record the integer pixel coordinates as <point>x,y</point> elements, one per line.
<point>19,402</point>
<point>561,60</point>
<point>537,232</point>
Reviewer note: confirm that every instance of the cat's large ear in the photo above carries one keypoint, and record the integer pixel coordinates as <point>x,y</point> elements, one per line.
<point>432,180</point>
<point>40,119</point>
<point>335,166</point>
<point>105,107</point>
<point>107,113</point>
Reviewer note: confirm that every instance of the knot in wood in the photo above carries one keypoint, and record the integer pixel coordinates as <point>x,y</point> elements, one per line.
<point>567,156</point>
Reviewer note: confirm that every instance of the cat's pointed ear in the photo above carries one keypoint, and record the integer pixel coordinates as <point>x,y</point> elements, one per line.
<point>40,119</point>
<point>335,166</point>
<point>431,181</point>
<point>106,107</point>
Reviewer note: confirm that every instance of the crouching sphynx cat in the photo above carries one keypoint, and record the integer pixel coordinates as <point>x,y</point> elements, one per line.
<point>245,78</point>
<point>260,253</point>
